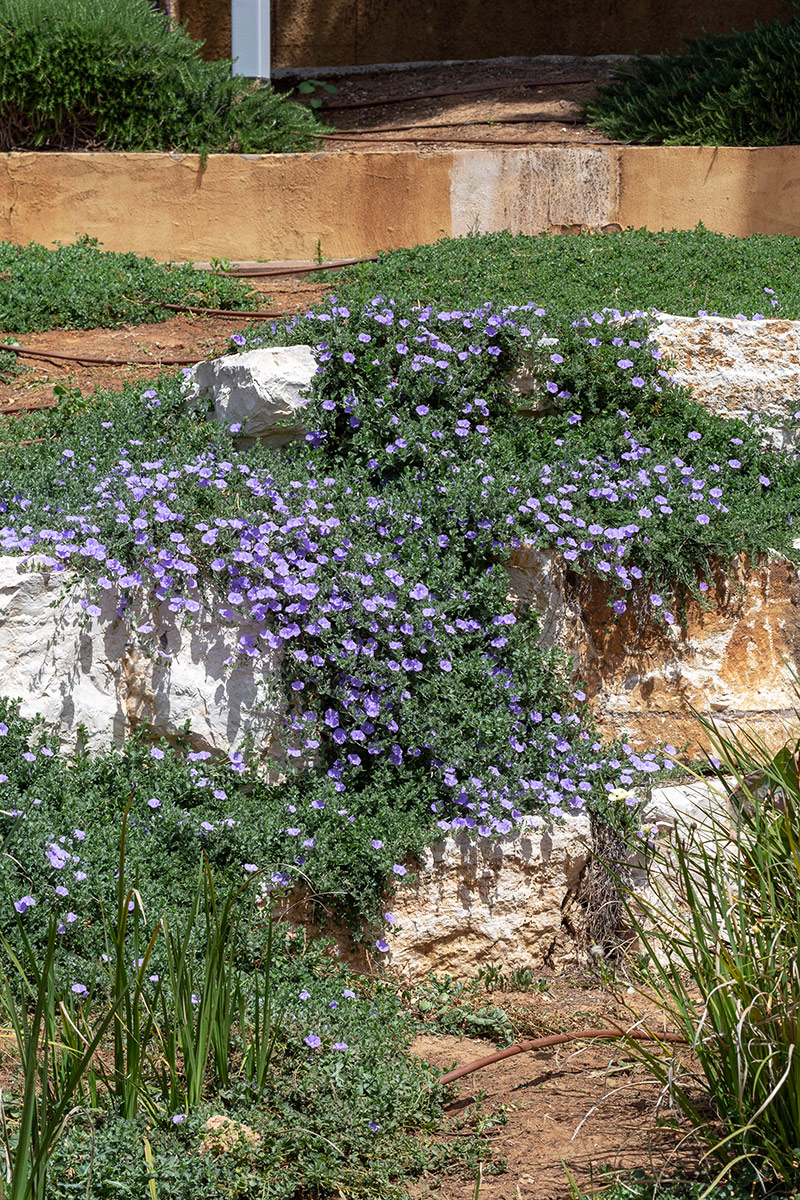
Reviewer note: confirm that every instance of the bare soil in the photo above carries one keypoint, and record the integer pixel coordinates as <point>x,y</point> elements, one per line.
<point>185,335</point>
<point>588,1111</point>
<point>532,102</point>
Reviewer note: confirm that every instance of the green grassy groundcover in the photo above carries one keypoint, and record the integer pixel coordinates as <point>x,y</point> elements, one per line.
<point>82,286</point>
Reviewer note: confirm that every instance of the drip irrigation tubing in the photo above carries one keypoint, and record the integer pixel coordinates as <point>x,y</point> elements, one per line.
<point>558,1039</point>
<point>257,271</point>
<point>35,352</point>
<point>429,141</point>
<point>533,119</point>
<point>220,312</point>
<point>464,90</point>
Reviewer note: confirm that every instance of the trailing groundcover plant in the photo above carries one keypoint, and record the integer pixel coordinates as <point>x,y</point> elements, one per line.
<point>114,75</point>
<point>370,560</point>
<point>366,563</point>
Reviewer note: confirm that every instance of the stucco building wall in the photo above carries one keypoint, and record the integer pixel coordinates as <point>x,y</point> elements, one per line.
<point>310,33</point>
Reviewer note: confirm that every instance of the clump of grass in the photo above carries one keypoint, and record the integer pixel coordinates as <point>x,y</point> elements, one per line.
<point>77,75</point>
<point>82,286</point>
<point>737,89</point>
<point>722,930</point>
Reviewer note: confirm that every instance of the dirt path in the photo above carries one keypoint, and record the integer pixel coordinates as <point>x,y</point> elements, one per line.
<point>586,1110</point>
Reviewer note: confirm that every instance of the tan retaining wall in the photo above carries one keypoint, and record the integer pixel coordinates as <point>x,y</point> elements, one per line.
<point>355,203</point>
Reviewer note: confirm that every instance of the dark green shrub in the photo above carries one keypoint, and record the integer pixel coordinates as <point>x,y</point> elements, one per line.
<point>737,89</point>
<point>77,75</point>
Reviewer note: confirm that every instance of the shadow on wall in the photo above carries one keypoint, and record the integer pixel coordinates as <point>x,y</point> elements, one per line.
<point>81,666</point>
<point>310,33</point>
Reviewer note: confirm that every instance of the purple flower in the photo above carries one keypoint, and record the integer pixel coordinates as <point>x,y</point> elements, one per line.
<point>156,753</point>
<point>24,904</point>
<point>340,1045</point>
<point>313,1041</point>
<point>80,989</point>
<point>376,844</point>
<point>655,600</point>
<point>694,436</point>
<point>399,869</point>
<point>381,945</point>
<point>703,519</point>
<point>348,357</point>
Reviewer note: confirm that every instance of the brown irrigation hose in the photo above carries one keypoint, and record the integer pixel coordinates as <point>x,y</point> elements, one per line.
<point>444,141</point>
<point>465,90</point>
<point>258,271</point>
<point>534,119</point>
<point>32,352</point>
<point>220,312</point>
<point>558,1039</point>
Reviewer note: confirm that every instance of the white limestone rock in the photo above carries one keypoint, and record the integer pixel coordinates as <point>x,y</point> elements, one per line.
<point>737,367</point>
<point>734,661</point>
<point>698,803</point>
<point>475,901</point>
<point>262,390</point>
<point>75,670</point>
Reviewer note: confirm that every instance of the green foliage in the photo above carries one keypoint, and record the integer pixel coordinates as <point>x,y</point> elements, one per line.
<point>675,271</point>
<point>736,89</point>
<point>447,1006</point>
<point>75,74</point>
<point>81,286</point>
<point>722,930</point>
<point>639,1186</point>
<point>343,1105</point>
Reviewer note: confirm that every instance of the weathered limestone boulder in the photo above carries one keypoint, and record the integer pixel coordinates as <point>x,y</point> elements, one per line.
<point>736,367</point>
<point>74,669</point>
<point>263,391</point>
<point>733,367</point>
<point>475,901</point>
<point>519,900</point>
<point>734,662</point>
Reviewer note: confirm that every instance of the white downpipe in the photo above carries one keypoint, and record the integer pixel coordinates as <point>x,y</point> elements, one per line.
<point>250,38</point>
